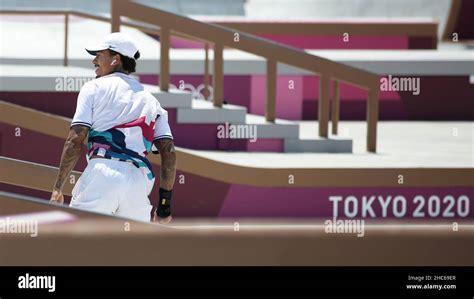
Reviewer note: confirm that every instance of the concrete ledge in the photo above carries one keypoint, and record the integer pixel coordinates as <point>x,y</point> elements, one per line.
<point>395,62</point>
<point>16,78</point>
<point>318,145</point>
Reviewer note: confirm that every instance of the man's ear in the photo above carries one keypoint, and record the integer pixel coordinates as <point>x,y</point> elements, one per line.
<point>115,60</point>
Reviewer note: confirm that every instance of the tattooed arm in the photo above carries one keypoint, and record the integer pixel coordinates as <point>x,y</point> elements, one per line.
<point>168,162</point>
<point>71,152</point>
<point>165,147</point>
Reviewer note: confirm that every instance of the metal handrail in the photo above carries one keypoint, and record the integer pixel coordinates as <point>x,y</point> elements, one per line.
<point>166,24</point>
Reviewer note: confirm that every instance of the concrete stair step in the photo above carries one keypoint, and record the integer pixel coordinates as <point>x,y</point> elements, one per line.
<point>204,112</point>
<point>174,98</point>
<point>279,129</point>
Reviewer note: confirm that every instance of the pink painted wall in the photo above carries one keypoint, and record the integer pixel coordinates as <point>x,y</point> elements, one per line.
<point>337,42</point>
<point>260,145</point>
<point>430,104</point>
<point>247,201</point>
<point>288,101</point>
<point>302,101</point>
<point>353,102</point>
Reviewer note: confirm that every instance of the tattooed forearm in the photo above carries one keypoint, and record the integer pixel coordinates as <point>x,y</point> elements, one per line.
<point>71,152</point>
<point>168,162</point>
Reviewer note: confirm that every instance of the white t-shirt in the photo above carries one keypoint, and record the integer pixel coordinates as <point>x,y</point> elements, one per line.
<point>124,118</point>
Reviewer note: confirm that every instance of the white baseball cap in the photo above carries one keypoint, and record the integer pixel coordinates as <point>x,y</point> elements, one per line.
<point>118,42</point>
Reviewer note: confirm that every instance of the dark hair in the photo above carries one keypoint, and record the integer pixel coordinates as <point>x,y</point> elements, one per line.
<point>129,64</point>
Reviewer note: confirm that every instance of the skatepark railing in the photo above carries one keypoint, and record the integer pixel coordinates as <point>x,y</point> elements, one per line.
<point>41,177</point>
<point>221,37</point>
<point>152,20</point>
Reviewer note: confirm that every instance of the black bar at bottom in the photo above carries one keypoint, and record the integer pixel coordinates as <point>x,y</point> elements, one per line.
<point>222,282</point>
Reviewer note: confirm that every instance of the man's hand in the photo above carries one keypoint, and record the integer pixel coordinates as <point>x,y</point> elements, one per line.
<point>160,220</point>
<point>57,197</point>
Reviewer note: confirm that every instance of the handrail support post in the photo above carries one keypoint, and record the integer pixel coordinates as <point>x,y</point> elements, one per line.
<point>372,118</point>
<point>218,75</point>
<point>206,71</point>
<point>164,59</point>
<point>335,107</point>
<point>270,105</point>
<point>323,110</point>
<point>114,16</point>
<point>66,33</point>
